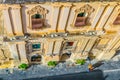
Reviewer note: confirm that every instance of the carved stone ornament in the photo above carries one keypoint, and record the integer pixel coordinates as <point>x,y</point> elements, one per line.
<point>38,9</point>
<point>86,8</point>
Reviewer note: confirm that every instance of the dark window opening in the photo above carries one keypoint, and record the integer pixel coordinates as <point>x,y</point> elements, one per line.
<point>36,58</point>
<point>80,20</point>
<point>81,14</point>
<point>69,43</point>
<point>36,46</point>
<point>36,16</point>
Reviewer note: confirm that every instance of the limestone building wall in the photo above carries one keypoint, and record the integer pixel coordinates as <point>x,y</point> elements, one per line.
<point>98,36</point>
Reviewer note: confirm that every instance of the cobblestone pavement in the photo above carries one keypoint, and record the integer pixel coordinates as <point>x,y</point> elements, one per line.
<point>61,68</point>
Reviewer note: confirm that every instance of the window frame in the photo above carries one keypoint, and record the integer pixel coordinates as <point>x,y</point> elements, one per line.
<point>37,10</point>
<point>37,18</point>
<point>88,9</point>
<point>30,21</point>
<point>35,61</point>
<point>36,49</point>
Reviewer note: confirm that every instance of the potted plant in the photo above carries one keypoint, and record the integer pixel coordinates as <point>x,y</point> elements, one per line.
<point>52,63</point>
<point>80,61</point>
<point>23,66</point>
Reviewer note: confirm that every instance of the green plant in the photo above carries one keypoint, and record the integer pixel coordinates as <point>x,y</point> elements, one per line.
<point>23,66</point>
<point>80,61</point>
<point>52,63</point>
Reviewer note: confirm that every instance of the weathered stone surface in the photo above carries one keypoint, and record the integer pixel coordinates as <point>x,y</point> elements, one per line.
<point>41,71</point>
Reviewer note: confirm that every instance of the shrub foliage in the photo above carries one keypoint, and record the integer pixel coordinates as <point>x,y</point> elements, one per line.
<point>52,63</point>
<point>23,66</point>
<point>80,61</point>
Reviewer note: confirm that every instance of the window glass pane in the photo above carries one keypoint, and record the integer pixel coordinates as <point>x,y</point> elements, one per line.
<point>36,16</point>
<point>81,14</point>
<point>36,46</point>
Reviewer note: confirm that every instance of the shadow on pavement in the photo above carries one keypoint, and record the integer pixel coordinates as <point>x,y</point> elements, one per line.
<point>93,75</point>
<point>98,64</point>
<point>1,79</point>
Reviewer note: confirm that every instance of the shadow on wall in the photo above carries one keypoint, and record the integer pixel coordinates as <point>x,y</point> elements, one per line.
<point>93,75</point>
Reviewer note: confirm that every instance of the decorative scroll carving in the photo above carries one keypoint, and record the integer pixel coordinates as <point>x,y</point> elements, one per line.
<point>38,9</point>
<point>86,8</point>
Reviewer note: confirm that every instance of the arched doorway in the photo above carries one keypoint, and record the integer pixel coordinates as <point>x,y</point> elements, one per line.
<point>36,58</point>
<point>65,56</point>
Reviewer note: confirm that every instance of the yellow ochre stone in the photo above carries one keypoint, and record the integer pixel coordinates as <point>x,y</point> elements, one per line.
<point>60,31</point>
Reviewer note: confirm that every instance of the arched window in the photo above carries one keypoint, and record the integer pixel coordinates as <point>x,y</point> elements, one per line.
<point>37,21</point>
<point>65,56</point>
<point>117,20</point>
<point>36,58</point>
<point>81,19</point>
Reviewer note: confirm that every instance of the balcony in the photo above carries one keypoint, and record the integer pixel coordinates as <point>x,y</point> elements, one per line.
<point>80,21</point>
<point>37,23</point>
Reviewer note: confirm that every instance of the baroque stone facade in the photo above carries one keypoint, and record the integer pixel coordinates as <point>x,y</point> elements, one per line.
<point>38,33</point>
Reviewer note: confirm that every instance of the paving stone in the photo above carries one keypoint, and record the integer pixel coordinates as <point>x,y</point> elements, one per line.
<point>41,70</point>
